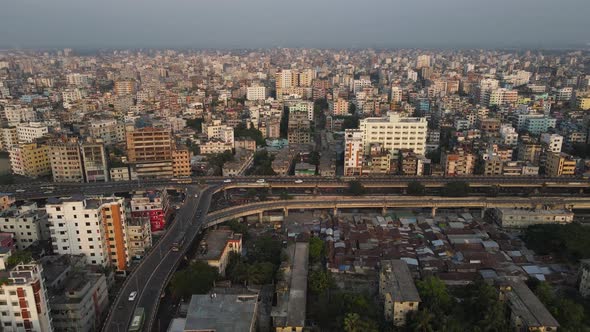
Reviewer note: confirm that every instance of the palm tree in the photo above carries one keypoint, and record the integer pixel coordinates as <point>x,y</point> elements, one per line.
<point>422,321</point>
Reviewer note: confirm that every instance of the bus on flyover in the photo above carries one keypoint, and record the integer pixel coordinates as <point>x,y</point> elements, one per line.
<point>137,321</point>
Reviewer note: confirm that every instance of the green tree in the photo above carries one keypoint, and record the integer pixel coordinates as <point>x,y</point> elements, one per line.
<point>261,273</point>
<point>241,131</point>
<point>285,195</point>
<point>421,321</point>
<point>266,249</point>
<point>320,281</point>
<point>262,164</point>
<point>356,188</point>
<point>316,249</point>
<point>416,188</point>
<point>456,189</point>
<point>284,125</point>
<point>197,278</point>
<point>195,124</point>
<point>238,227</point>
<point>18,257</point>
<point>434,294</point>
<point>351,108</point>
<point>314,158</point>
<point>236,269</point>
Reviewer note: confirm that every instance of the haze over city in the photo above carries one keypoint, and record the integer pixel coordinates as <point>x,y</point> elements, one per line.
<point>305,23</point>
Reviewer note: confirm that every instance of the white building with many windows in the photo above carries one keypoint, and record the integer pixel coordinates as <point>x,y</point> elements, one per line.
<point>24,304</point>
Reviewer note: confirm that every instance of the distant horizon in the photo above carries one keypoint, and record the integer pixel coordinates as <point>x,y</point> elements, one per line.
<point>254,24</point>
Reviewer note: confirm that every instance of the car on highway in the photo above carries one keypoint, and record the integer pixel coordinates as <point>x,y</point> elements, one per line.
<point>260,181</point>
<point>196,195</point>
<point>20,190</point>
<point>227,181</point>
<point>298,181</point>
<point>132,296</point>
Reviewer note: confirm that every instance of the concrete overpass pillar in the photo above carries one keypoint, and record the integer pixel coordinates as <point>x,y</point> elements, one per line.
<point>384,211</point>
<point>286,211</point>
<point>260,215</point>
<point>483,213</point>
<point>433,212</point>
<point>335,211</point>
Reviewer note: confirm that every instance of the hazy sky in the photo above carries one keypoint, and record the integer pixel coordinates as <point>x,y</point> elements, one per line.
<point>294,23</point>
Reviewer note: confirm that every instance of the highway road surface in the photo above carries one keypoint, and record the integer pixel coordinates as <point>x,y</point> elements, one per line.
<point>150,276</point>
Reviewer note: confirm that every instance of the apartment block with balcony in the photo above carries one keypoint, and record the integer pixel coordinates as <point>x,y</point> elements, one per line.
<point>24,302</point>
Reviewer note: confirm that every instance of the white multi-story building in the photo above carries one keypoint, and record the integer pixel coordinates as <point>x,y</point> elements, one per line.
<point>353,152</point>
<point>109,131</point>
<point>15,114</point>
<point>27,223</point>
<point>564,94</point>
<point>256,93</point>
<point>301,106</point>
<point>552,141</point>
<point>93,227</point>
<point>509,135</point>
<point>9,138</point>
<point>394,133</point>
<point>78,79</point>
<point>396,94</point>
<point>28,132</point>
<point>221,132</point>
<point>71,95</point>
<point>359,85</point>
<point>23,299</point>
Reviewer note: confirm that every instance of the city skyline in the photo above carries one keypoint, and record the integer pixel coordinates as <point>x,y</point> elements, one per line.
<point>264,23</point>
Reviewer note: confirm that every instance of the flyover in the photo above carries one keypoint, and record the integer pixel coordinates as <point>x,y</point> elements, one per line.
<point>386,202</point>
<point>154,271</point>
<point>38,190</point>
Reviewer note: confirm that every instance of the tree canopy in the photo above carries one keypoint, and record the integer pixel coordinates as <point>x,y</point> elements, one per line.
<point>456,189</point>
<point>197,278</point>
<point>416,188</point>
<point>356,188</point>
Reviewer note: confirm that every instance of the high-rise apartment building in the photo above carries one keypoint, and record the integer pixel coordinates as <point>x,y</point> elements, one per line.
<point>299,131</point>
<point>422,61</point>
<point>552,142</point>
<point>23,299</point>
<point>109,131</point>
<point>353,152</point>
<point>395,133</point>
<point>560,164</point>
<point>93,227</point>
<point>458,162</point>
<point>94,161</point>
<point>66,161</point>
<point>124,87</point>
<point>256,93</point>
<point>151,151</point>
<point>30,160</point>
<point>28,132</point>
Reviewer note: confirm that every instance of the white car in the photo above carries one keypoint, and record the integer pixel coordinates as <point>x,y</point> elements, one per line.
<point>260,181</point>
<point>227,181</point>
<point>298,181</point>
<point>196,195</point>
<point>132,296</point>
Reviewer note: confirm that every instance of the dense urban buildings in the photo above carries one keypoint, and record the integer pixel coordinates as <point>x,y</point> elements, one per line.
<point>170,123</point>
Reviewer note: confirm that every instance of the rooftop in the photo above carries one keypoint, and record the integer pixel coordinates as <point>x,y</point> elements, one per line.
<point>398,281</point>
<point>528,307</point>
<point>213,245</point>
<point>221,312</point>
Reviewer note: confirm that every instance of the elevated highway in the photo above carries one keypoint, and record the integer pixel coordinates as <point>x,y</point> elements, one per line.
<point>336,203</point>
<point>38,190</point>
